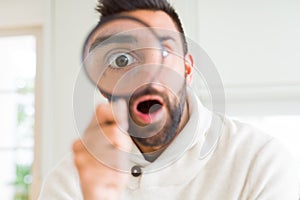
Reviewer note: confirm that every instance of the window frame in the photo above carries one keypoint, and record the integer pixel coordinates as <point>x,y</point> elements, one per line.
<point>36,31</point>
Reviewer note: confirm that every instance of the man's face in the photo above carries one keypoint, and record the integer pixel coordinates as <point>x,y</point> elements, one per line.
<point>155,87</point>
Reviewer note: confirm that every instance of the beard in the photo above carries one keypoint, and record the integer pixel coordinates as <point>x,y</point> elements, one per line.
<point>161,133</point>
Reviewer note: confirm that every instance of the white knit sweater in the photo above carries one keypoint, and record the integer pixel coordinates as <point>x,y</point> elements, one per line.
<point>237,162</point>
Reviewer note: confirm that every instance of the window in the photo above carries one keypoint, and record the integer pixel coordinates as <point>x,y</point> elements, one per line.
<point>17,105</point>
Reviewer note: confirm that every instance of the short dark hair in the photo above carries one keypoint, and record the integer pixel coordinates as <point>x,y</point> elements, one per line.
<point>113,7</point>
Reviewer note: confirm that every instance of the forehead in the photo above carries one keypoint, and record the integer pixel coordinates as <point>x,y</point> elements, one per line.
<point>157,19</point>
<point>162,22</point>
<point>154,19</point>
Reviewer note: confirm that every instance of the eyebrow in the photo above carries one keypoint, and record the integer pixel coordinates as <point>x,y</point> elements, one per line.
<point>166,38</point>
<point>115,39</point>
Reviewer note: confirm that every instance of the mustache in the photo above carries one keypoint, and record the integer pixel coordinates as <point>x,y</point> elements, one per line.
<point>148,90</point>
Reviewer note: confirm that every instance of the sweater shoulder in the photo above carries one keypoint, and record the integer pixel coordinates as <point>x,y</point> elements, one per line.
<point>259,161</point>
<point>238,134</point>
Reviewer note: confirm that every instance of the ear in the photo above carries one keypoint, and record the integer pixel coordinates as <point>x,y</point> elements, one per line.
<point>189,65</point>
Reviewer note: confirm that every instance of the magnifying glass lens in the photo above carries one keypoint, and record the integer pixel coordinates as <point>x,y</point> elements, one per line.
<point>114,50</point>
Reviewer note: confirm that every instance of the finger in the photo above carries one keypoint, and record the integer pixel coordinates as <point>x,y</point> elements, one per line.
<point>78,146</point>
<point>118,138</point>
<point>105,115</point>
<point>105,134</point>
<point>108,137</point>
<point>108,148</point>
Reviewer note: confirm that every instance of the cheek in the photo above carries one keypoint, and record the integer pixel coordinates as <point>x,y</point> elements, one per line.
<point>174,100</point>
<point>172,76</point>
<point>176,64</point>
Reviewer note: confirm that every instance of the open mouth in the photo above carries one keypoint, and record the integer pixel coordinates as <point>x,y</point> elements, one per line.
<point>148,109</point>
<point>149,106</point>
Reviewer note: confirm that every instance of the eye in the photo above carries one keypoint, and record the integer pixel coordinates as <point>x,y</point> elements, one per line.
<point>120,60</point>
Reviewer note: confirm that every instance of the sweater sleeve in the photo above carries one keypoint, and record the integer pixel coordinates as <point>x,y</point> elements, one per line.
<point>273,174</point>
<point>62,182</point>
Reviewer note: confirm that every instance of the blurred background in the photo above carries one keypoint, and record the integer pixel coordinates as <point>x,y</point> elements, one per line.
<point>255,46</point>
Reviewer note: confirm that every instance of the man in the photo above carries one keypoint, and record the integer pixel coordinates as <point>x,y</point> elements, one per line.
<point>167,125</point>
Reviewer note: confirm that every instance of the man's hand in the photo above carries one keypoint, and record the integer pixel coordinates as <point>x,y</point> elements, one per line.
<point>98,156</point>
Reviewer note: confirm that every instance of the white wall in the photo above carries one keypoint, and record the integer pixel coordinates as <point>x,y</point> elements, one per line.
<point>252,42</point>
<point>16,13</point>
